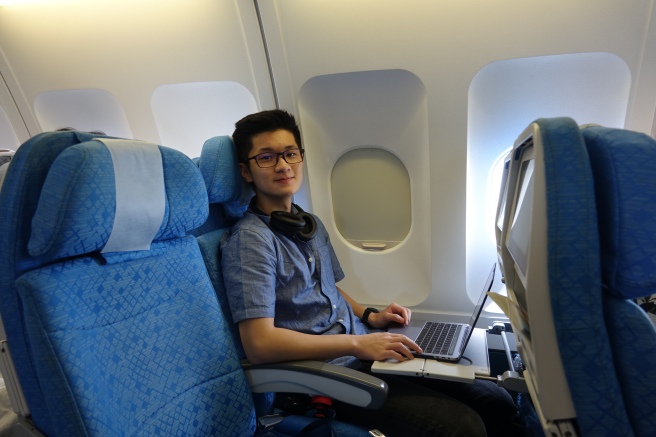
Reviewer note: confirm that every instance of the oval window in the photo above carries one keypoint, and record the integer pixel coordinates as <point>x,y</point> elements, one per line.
<point>371,198</point>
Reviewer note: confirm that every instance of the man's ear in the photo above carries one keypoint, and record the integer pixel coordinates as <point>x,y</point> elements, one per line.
<point>245,172</point>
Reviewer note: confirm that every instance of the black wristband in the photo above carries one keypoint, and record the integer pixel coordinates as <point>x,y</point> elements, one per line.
<point>365,315</point>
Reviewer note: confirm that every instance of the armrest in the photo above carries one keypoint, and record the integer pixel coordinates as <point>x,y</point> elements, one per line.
<point>317,377</point>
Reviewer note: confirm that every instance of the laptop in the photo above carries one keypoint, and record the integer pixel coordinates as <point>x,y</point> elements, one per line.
<point>445,341</point>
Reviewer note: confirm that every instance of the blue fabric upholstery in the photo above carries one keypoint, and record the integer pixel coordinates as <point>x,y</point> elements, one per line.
<point>633,341</point>
<point>624,168</point>
<point>209,247</point>
<point>228,194</point>
<point>218,165</point>
<point>127,344</point>
<point>70,221</point>
<point>601,203</point>
<point>624,164</point>
<point>575,281</point>
<point>18,197</point>
<point>135,357</point>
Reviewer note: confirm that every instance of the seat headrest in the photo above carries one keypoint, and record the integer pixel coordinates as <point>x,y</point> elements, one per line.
<point>219,166</point>
<point>82,207</point>
<point>624,169</point>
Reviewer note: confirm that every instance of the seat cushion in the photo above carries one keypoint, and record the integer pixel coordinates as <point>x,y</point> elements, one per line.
<point>135,348</point>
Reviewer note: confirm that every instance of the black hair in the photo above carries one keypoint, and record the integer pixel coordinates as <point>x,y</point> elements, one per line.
<point>260,122</point>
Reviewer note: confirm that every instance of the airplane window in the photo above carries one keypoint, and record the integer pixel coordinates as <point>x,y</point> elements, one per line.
<point>83,109</point>
<point>187,114</point>
<point>371,198</point>
<point>358,128</point>
<point>506,96</point>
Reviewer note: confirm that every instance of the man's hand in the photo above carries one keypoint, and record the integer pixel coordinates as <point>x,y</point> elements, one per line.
<point>384,345</point>
<point>393,313</point>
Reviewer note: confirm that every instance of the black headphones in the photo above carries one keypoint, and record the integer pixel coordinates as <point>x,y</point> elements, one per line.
<point>301,224</point>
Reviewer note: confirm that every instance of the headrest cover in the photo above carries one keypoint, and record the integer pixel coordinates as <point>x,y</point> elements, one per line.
<point>140,194</point>
<point>78,204</point>
<point>219,166</point>
<point>624,168</point>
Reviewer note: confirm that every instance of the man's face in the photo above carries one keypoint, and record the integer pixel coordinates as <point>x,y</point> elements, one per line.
<point>277,184</point>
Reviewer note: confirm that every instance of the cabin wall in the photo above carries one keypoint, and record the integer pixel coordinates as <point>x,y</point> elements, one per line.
<point>129,50</point>
<point>415,82</point>
<point>445,45</point>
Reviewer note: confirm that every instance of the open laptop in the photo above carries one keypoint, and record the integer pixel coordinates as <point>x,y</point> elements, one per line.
<point>445,341</point>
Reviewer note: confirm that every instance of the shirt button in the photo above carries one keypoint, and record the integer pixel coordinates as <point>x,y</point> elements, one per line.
<point>334,306</point>
<point>340,320</point>
<point>310,259</point>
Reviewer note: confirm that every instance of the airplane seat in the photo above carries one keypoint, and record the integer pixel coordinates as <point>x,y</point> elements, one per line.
<point>230,197</point>
<point>228,194</point>
<point>574,277</point>
<point>125,333</point>
<point>553,275</point>
<point>217,164</point>
<point>19,196</point>
<point>624,168</point>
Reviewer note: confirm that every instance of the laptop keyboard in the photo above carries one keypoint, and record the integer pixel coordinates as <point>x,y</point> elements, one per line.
<point>438,338</point>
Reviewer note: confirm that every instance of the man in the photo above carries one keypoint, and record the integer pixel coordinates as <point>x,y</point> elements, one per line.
<point>280,274</point>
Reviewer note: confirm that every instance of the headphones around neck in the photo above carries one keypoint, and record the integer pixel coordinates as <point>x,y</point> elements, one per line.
<point>301,224</point>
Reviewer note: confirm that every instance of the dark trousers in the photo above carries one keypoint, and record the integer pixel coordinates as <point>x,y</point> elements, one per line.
<point>432,407</point>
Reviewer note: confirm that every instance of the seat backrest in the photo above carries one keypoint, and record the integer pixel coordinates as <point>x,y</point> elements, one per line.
<point>19,196</point>
<point>228,197</point>
<point>552,269</point>
<point>624,168</point>
<point>125,334</point>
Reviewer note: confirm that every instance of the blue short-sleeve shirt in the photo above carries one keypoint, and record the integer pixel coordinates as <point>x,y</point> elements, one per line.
<point>268,274</point>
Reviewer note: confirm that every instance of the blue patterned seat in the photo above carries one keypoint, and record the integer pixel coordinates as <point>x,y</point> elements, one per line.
<point>574,278</point>
<point>589,351</point>
<point>217,164</point>
<point>127,338</point>
<point>18,197</point>
<point>624,169</point>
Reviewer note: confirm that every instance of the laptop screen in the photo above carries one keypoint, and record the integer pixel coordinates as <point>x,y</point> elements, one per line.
<point>482,297</point>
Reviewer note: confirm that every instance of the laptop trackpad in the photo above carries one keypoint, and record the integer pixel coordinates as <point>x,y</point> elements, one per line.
<point>411,331</point>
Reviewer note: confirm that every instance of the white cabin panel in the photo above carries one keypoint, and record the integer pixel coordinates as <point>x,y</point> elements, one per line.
<point>187,114</point>
<point>85,109</point>
<point>130,49</point>
<point>336,118</point>
<point>8,137</point>
<point>444,44</point>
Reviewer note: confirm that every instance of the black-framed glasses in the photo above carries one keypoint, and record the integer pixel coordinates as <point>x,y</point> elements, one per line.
<point>270,159</point>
